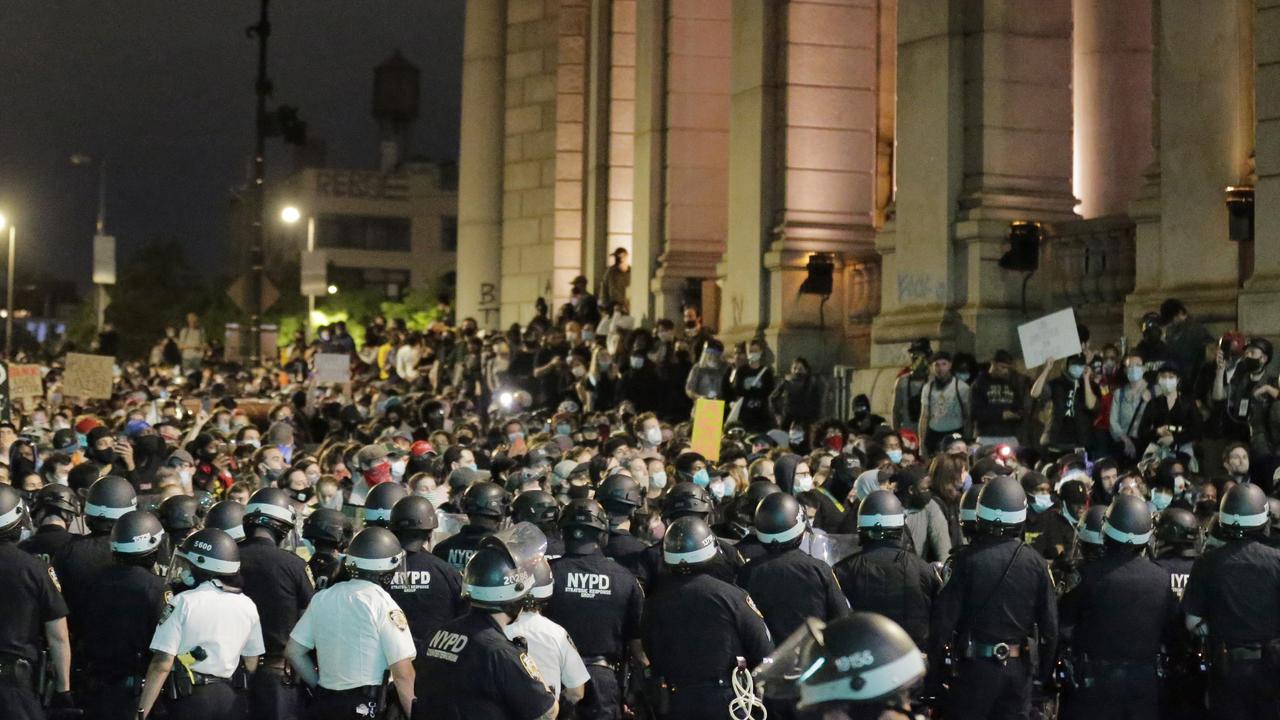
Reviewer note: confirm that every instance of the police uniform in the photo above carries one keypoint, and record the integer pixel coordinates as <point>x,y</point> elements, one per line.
<point>220,624</point>
<point>325,567</point>
<point>279,583</point>
<point>1056,535</point>
<point>883,577</point>
<point>599,602</point>
<point>77,565</point>
<point>429,591</point>
<point>625,548</point>
<point>1183,686</point>
<point>724,566</point>
<point>1235,589</point>
<point>31,599</point>
<point>458,549</point>
<point>474,672</point>
<point>352,653</point>
<point>991,614</point>
<point>1115,620</point>
<point>129,602</point>
<point>790,586</point>
<point>694,627</point>
<point>48,541</point>
<point>551,650</point>
<point>750,548</point>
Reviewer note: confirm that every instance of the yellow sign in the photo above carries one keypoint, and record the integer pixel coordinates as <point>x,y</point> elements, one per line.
<point>708,427</point>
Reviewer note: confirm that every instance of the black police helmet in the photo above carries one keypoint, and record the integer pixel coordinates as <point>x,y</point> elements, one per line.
<point>543,581</point>
<point>109,498</point>
<point>212,552</point>
<point>969,507</point>
<point>485,499</point>
<point>1090,528</point>
<point>584,513</point>
<point>619,494</point>
<point>536,506</point>
<point>380,500</point>
<point>327,525</point>
<point>227,516</point>
<point>373,552</point>
<point>1243,511</point>
<point>55,498</point>
<point>137,533</point>
<point>1127,522</point>
<point>492,581</point>
<point>688,543</point>
<point>881,515</point>
<point>179,512</point>
<point>686,499</point>
<point>413,512</point>
<point>13,512</point>
<point>1002,507</point>
<point>745,507</point>
<point>1177,527</point>
<point>863,658</point>
<point>270,508</point>
<point>779,521</point>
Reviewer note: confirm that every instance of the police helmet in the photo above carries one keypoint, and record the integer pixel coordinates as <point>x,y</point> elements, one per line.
<point>211,551</point>
<point>862,658</point>
<point>536,506</point>
<point>373,552</point>
<point>137,533</point>
<point>1002,507</point>
<point>1127,522</point>
<point>413,512</point>
<point>543,581</point>
<point>746,505</point>
<point>1243,511</point>
<point>55,498</point>
<point>1177,528</point>
<point>227,516</point>
<point>780,521</point>
<point>179,512</point>
<point>686,499</point>
<point>969,508</point>
<point>485,499</point>
<point>1090,529</point>
<point>109,498</point>
<point>13,512</point>
<point>688,543</point>
<point>492,580</point>
<point>327,525</point>
<point>619,494</point>
<point>583,515</point>
<point>380,500</point>
<point>270,508</point>
<point>881,515</point>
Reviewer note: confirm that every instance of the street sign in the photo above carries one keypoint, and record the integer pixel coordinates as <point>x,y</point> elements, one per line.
<point>239,294</point>
<point>104,260</point>
<point>315,273</point>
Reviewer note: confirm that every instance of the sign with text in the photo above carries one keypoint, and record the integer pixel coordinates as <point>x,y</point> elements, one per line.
<point>708,427</point>
<point>88,376</point>
<point>333,368</point>
<point>24,381</point>
<point>1051,337</point>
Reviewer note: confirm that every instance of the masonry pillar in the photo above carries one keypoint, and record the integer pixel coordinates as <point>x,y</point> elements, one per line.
<point>1260,298</point>
<point>480,162</point>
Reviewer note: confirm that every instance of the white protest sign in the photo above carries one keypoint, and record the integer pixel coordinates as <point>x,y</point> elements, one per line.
<point>333,368</point>
<point>1051,337</point>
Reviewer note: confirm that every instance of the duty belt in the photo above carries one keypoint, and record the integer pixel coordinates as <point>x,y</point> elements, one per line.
<point>199,678</point>
<point>998,651</point>
<point>601,661</point>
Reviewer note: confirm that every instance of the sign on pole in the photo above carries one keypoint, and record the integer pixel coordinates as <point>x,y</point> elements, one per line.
<point>1051,337</point>
<point>88,376</point>
<point>104,260</point>
<point>708,427</point>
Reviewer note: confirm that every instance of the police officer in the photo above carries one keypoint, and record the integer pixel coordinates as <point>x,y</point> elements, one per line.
<point>599,602</point>
<point>998,598</point>
<point>227,516</point>
<point>688,499</point>
<point>204,633</point>
<point>379,501</point>
<point>485,505</point>
<point>620,496</point>
<point>749,545</point>
<point>473,671</point>
<point>969,513</point>
<point>180,515</point>
<point>695,626</point>
<point>34,614</point>
<point>883,576</point>
<point>357,633</point>
<point>129,599</point>
<point>787,584</point>
<point>540,508</point>
<point>426,588</point>
<point>53,510</point>
<point>279,583</point>
<point>861,666</point>
<point>1233,598</point>
<point>329,532</point>
<point>1115,620</point>
<point>549,645</point>
<point>1088,548</point>
<point>81,559</point>
<point>1177,537</point>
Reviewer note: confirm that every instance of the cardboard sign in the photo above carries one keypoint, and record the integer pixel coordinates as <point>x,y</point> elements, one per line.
<point>1051,337</point>
<point>88,376</point>
<point>333,368</point>
<point>708,427</point>
<point>25,382</point>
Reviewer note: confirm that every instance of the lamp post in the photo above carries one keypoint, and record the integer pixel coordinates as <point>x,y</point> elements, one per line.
<point>8,305</point>
<point>291,215</point>
<point>100,230</point>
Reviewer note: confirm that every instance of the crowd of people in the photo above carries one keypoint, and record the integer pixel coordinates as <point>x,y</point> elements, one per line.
<point>514,524</point>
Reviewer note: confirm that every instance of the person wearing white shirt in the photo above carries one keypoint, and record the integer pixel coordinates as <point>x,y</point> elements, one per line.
<point>407,357</point>
<point>549,645</point>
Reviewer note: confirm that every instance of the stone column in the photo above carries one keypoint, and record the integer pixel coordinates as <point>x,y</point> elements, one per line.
<point>1260,298</point>
<point>480,162</point>
<point>1111,91</point>
<point>648,150</point>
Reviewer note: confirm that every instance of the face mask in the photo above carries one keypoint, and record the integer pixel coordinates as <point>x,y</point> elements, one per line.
<point>637,362</point>
<point>754,358</point>
<point>1133,373</point>
<point>378,475</point>
<point>185,475</point>
<point>1075,371</point>
<point>895,456</point>
<point>666,336</point>
<point>302,495</point>
<point>1108,365</point>
<point>397,469</point>
<point>690,324</point>
<point>1251,365</point>
<point>1206,508</point>
<point>1169,385</point>
<point>653,435</point>
<point>564,429</point>
<point>835,442</point>
<point>964,376</point>
<point>730,487</point>
<point>919,499</point>
<point>1160,500</point>
<point>717,490</point>
<point>795,436</point>
<point>804,483</point>
<point>515,437</point>
<point>1041,501</point>
<point>103,457</point>
<point>701,478</point>
<point>469,466</point>
<point>604,363</point>
<point>588,336</point>
<point>578,371</point>
<point>658,480</point>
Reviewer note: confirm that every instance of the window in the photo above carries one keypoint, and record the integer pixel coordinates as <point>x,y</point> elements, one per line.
<point>393,283</point>
<point>449,233</point>
<point>361,232</point>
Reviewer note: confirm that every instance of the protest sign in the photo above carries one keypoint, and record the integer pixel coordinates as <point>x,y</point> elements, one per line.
<point>1051,337</point>
<point>708,427</point>
<point>88,376</point>
<point>333,368</point>
<point>25,382</point>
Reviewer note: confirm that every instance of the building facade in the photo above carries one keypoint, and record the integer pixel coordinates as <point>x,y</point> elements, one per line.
<point>729,143</point>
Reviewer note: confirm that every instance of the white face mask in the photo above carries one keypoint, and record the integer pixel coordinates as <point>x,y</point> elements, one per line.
<point>717,490</point>
<point>653,435</point>
<point>185,476</point>
<point>804,483</point>
<point>1041,501</point>
<point>397,469</point>
<point>579,371</point>
<point>658,480</point>
<point>1169,385</point>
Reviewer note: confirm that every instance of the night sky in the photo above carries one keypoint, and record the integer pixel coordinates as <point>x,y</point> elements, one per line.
<point>164,89</point>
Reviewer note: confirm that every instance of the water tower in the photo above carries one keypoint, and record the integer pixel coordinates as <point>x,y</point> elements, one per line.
<point>395,107</point>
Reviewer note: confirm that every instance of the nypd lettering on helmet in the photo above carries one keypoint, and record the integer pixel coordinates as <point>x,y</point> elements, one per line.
<point>587,585</point>
<point>446,645</point>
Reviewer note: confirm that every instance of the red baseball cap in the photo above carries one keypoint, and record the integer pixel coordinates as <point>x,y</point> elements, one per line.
<point>420,448</point>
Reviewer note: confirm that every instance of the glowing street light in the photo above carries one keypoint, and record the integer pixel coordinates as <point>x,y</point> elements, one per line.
<point>290,214</point>
<point>333,289</point>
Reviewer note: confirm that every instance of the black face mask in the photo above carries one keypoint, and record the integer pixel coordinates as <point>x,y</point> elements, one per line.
<point>919,499</point>
<point>1251,365</point>
<point>690,324</point>
<point>1205,508</point>
<point>103,457</point>
<point>302,495</point>
<point>207,455</point>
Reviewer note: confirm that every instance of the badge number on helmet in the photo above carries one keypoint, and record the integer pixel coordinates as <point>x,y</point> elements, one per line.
<point>856,661</point>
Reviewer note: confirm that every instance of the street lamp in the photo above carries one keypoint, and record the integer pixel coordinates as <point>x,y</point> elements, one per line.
<point>333,289</point>
<point>8,305</point>
<point>100,231</point>
<point>290,214</point>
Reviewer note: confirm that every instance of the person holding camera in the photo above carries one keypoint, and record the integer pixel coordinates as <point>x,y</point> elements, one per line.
<point>1171,422</point>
